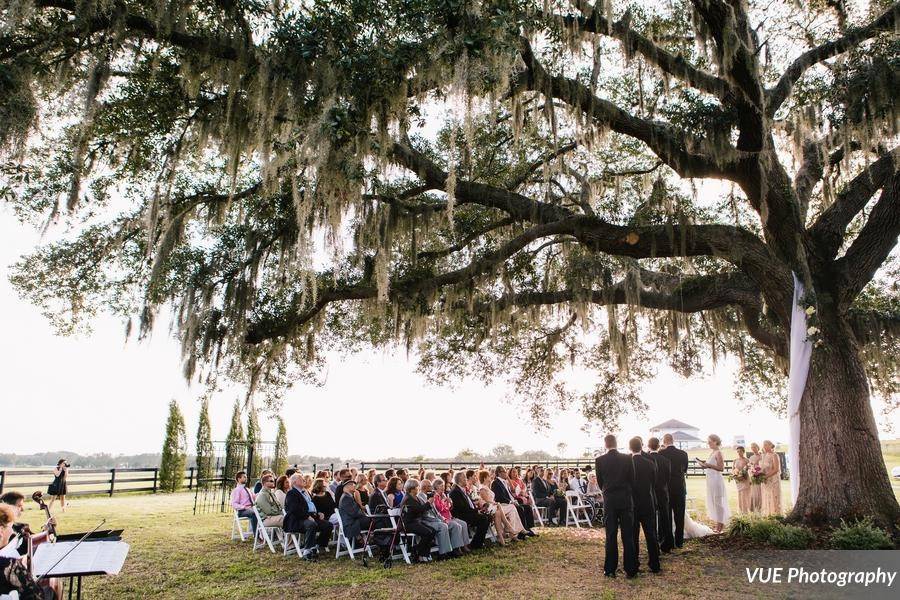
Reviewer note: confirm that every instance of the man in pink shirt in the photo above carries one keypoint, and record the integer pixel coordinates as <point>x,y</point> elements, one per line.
<point>242,499</point>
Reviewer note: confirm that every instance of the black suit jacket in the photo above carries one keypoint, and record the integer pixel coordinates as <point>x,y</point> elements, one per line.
<point>501,494</point>
<point>461,508</point>
<point>663,474</point>
<point>642,491</point>
<point>540,489</point>
<point>615,476</point>
<point>296,510</point>
<point>679,460</point>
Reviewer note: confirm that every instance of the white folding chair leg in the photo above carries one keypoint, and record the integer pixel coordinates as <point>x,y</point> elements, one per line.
<point>237,530</point>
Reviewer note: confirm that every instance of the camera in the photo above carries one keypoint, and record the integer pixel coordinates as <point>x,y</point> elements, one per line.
<point>67,464</point>
<point>429,495</point>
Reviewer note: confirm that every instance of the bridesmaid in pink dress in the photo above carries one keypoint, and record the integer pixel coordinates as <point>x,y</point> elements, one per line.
<point>755,490</point>
<point>743,485</point>
<point>771,489</point>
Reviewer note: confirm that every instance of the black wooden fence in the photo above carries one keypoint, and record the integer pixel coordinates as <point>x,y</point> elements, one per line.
<point>90,482</point>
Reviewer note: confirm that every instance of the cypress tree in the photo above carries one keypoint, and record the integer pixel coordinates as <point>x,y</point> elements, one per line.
<point>205,453</point>
<point>174,453</point>
<point>234,446</point>
<point>253,441</point>
<point>279,462</point>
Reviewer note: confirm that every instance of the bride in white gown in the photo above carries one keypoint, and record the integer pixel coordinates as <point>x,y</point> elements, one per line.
<point>693,529</point>
<point>716,497</point>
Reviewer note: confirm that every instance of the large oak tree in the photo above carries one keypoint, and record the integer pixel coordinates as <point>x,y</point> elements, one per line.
<point>516,188</point>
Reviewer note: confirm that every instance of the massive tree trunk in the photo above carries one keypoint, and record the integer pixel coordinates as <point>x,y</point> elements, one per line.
<point>842,470</point>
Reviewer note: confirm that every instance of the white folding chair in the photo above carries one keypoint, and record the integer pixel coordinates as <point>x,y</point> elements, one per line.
<point>350,545</point>
<point>237,529</point>
<point>266,536</point>
<point>578,510</point>
<point>539,511</point>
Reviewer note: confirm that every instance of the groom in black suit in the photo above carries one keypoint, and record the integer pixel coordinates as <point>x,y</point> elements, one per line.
<point>677,489</point>
<point>615,476</point>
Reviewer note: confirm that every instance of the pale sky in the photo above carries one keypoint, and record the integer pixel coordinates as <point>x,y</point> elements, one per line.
<point>98,394</point>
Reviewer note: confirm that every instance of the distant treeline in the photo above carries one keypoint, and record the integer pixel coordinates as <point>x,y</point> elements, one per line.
<point>104,460</point>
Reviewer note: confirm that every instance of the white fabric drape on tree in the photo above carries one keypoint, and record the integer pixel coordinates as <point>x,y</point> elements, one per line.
<point>801,350</point>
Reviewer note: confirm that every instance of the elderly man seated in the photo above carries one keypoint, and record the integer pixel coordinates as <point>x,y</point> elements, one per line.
<point>353,518</point>
<point>268,505</point>
<point>302,518</point>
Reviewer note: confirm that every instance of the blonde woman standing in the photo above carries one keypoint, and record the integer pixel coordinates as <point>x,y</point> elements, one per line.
<point>742,480</point>
<point>771,489</point>
<point>716,497</point>
<point>755,489</point>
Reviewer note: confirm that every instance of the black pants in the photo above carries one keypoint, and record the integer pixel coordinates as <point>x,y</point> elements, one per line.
<point>647,522</point>
<point>664,523</point>
<point>526,514</point>
<point>314,528</point>
<point>425,535</point>
<point>479,525</point>
<point>615,519</point>
<point>554,505</point>
<point>676,504</point>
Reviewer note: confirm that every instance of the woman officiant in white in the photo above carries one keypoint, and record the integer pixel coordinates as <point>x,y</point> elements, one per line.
<point>716,498</point>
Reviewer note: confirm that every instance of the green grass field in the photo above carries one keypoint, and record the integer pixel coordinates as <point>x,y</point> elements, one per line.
<point>176,554</point>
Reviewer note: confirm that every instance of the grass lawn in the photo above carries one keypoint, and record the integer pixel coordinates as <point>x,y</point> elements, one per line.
<point>175,554</point>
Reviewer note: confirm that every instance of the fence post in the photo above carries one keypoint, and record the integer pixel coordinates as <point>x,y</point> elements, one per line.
<point>2,480</point>
<point>314,469</point>
<point>112,481</point>
<point>191,478</point>
<point>332,469</point>
<point>155,477</point>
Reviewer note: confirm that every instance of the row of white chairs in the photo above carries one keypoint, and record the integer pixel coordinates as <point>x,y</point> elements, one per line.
<point>578,514</point>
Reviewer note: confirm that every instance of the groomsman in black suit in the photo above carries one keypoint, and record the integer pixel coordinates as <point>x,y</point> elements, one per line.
<point>644,503</point>
<point>663,512</point>
<point>615,476</point>
<point>677,488</point>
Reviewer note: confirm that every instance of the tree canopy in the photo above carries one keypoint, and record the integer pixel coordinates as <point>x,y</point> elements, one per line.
<point>512,188</point>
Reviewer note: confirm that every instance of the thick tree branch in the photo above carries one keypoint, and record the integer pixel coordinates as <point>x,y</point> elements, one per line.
<point>143,27</point>
<point>782,90</point>
<point>828,230</point>
<point>680,151</point>
<point>517,181</point>
<point>431,255</point>
<point>871,326</point>
<point>873,244</point>
<point>635,42</point>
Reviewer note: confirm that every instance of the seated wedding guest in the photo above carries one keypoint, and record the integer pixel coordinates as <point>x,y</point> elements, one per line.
<point>459,529</point>
<point>242,499</point>
<point>447,478</point>
<point>528,477</point>
<point>324,501</point>
<point>370,475</point>
<point>543,492</point>
<point>282,485</point>
<point>413,512</point>
<point>352,516</point>
<point>363,489</point>
<point>344,475</point>
<point>258,486</point>
<point>503,495</point>
<point>463,507</point>
<point>429,476</point>
<point>379,494</point>
<point>517,486</point>
<point>593,488</point>
<point>267,503</point>
<point>287,473</point>
<point>437,524</point>
<point>390,473</point>
<point>302,517</point>
<point>392,492</point>
<point>506,522</point>
<point>575,482</point>
<point>353,473</point>
<point>14,573</point>
<point>403,474</point>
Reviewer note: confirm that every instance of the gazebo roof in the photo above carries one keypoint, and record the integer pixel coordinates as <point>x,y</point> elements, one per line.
<point>680,436</point>
<point>673,424</point>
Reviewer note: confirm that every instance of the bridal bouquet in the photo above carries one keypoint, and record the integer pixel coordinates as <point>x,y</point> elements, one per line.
<point>739,474</point>
<point>757,476</point>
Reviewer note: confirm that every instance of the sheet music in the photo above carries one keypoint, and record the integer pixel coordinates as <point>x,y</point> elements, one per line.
<point>89,557</point>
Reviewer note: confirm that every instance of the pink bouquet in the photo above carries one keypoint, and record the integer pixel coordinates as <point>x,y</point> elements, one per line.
<point>757,476</point>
